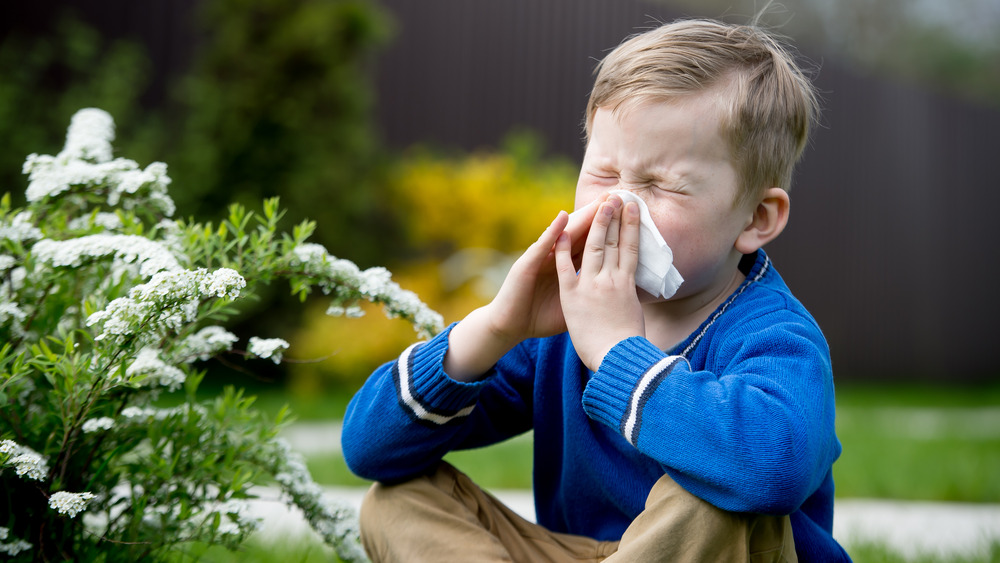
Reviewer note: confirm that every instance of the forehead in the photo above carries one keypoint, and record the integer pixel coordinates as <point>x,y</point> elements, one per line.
<point>658,134</point>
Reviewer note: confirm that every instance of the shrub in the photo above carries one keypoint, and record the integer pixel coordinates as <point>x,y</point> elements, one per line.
<point>105,302</point>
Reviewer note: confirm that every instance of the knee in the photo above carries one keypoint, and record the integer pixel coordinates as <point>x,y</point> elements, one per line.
<point>673,512</point>
<point>372,506</point>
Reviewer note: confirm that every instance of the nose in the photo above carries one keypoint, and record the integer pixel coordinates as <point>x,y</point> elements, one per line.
<point>635,189</point>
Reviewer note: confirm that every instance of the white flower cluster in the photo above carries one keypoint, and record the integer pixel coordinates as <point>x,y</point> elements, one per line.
<point>104,220</point>
<point>85,161</point>
<point>20,229</point>
<point>234,517</point>
<point>89,136</point>
<point>167,301</point>
<point>338,525</point>
<point>151,371</point>
<point>149,256</point>
<point>140,415</point>
<point>10,310</point>
<point>68,503</point>
<point>374,285</point>
<point>204,344</point>
<point>267,348</point>
<point>97,424</point>
<point>224,282</point>
<point>27,462</point>
<point>14,547</point>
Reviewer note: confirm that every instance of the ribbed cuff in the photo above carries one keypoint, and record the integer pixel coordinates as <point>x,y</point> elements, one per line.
<point>608,394</point>
<point>431,386</point>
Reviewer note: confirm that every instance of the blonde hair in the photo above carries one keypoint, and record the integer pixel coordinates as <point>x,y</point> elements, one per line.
<point>769,103</point>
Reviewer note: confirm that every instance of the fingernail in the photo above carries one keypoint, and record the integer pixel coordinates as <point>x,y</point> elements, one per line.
<point>608,209</point>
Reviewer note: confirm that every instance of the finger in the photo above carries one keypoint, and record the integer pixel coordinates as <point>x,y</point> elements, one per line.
<point>593,252</point>
<point>565,270</point>
<point>547,240</point>
<point>628,248</point>
<point>611,250</point>
<point>581,219</point>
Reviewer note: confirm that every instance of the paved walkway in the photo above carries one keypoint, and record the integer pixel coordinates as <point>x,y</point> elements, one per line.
<point>909,528</point>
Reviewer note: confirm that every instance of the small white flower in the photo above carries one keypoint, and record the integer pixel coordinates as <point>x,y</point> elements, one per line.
<point>89,136</point>
<point>137,413</point>
<point>224,282</point>
<point>20,228</point>
<point>6,262</point>
<point>352,312</point>
<point>27,462</point>
<point>11,311</point>
<point>156,372</point>
<point>14,547</point>
<point>149,256</point>
<point>68,503</point>
<point>376,281</point>
<point>204,344</point>
<point>267,348</point>
<point>103,219</point>
<point>310,253</point>
<point>98,424</point>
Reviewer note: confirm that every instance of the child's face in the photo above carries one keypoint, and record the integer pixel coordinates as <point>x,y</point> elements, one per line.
<point>673,156</point>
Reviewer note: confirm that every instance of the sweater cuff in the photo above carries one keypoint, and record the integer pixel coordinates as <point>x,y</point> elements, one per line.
<point>424,387</point>
<point>615,394</point>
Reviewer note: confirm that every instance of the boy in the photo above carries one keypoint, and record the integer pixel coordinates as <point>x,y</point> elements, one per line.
<point>693,427</point>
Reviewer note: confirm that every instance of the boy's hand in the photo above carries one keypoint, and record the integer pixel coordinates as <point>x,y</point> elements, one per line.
<point>599,304</point>
<point>526,306</point>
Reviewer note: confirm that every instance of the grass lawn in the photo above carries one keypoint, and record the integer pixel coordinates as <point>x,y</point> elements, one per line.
<point>900,442</point>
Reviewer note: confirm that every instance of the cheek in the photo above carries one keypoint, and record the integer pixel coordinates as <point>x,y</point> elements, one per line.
<point>586,193</point>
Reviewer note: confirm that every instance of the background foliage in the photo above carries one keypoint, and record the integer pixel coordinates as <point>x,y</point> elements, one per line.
<point>466,218</point>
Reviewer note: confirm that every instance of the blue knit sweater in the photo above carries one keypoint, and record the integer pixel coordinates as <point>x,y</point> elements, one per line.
<point>740,414</point>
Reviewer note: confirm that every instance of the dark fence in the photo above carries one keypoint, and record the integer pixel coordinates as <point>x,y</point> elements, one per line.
<point>891,244</point>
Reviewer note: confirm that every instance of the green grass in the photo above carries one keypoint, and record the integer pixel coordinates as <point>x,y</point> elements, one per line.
<point>301,548</point>
<point>900,442</point>
<point>871,552</point>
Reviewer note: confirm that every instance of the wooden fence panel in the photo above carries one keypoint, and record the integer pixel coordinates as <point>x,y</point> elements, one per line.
<point>891,244</point>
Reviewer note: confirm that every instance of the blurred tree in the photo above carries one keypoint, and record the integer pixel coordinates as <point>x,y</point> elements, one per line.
<point>45,79</point>
<point>278,103</point>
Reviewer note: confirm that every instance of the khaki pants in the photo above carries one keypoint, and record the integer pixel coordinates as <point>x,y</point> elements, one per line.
<point>445,517</point>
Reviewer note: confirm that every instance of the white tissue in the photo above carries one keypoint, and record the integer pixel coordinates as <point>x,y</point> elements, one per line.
<point>656,273</point>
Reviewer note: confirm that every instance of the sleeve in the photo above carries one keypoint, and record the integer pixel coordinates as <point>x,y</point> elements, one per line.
<point>754,434</point>
<point>410,413</point>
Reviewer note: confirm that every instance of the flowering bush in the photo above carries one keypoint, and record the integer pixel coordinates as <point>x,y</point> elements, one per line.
<point>105,302</point>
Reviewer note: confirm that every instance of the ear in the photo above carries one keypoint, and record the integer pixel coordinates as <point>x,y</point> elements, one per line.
<point>768,220</point>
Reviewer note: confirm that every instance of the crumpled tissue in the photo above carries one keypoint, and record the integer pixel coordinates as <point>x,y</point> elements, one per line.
<point>656,273</point>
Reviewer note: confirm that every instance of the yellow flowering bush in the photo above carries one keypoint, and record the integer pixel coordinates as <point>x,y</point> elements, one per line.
<point>487,200</point>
